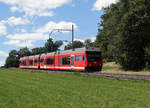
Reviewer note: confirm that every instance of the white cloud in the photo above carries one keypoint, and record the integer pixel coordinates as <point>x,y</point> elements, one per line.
<point>13,21</point>
<point>20,30</point>
<point>25,39</point>
<point>93,39</point>
<point>79,40</point>
<point>2,63</point>
<point>20,43</point>
<point>3,54</point>
<point>32,7</point>
<point>28,36</point>
<point>100,4</point>
<point>46,13</point>
<point>3,29</point>
<point>53,25</point>
<point>23,30</point>
<point>41,33</point>
<point>14,9</point>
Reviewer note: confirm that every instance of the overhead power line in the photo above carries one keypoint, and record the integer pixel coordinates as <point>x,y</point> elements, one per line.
<point>60,30</point>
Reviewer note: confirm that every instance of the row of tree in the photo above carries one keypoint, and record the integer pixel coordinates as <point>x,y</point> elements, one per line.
<point>50,46</point>
<point>124,34</point>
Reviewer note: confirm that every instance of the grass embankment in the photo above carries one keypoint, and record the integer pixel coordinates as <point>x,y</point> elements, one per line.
<point>24,89</point>
<point>111,67</point>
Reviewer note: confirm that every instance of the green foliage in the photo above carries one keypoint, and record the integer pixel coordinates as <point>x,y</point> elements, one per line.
<point>147,57</point>
<point>89,43</point>
<point>79,44</point>
<point>76,44</point>
<point>24,52</point>
<point>14,56</point>
<point>36,51</point>
<point>124,33</point>
<point>50,46</point>
<point>57,44</point>
<point>12,60</point>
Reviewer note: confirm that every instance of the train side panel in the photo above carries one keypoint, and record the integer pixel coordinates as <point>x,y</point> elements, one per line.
<point>24,63</point>
<point>80,61</point>
<point>63,62</point>
<point>35,63</point>
<point>31,62</point>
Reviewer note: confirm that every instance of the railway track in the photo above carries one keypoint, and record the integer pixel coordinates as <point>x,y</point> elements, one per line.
<point>108,75</point>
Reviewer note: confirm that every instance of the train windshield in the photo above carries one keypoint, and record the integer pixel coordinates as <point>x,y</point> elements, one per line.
<point>93,56</point>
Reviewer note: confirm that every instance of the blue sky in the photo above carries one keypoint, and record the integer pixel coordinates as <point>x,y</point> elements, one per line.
<point>29,22</point>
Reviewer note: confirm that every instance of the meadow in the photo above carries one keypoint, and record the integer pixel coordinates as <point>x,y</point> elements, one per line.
<point>26,89</point>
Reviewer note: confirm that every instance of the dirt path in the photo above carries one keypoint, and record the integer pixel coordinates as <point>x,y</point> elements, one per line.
<point>126,72</point>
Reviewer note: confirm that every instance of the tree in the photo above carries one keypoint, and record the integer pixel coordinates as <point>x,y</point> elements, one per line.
<point>57,44</point>
<point>124,33</point>
<point>50,46</point>
<point>76,44</point>
<point>12,60</point>
<point>135,25</point>
<point>24,52</point>
<point>147,57</point>
<point>36,51</point>
<point>89,43</point>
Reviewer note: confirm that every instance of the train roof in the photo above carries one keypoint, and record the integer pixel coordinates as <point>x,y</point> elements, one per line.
<point>65,51</point>
<point>70,51</point>
<point>80,49</point>
<point>29,56</point>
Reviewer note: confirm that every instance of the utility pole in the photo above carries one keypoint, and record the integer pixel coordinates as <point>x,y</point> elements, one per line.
<point>50,34</point>
<point>72,36</point>
<point>72,30</point>
<point>26,43</point>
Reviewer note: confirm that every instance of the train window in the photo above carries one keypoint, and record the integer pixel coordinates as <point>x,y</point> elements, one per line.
<point>30,62</point>
<point>78,58</point>
<point>35,61</point>
<point>93,56</point>
<point>83,58</point>
<point>24,63</point>
<point>68,60</point>
<point>41,60</point>
<point>60,60</point>
<point>50,61</point>
<point>65,60</point>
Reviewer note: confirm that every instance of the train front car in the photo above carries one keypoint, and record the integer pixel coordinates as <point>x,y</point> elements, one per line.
<point>82,59</point>
<point>93,59</point>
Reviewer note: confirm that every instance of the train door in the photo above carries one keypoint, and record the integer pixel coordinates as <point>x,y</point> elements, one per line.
<point>39,62</point>
<point>72,61</point>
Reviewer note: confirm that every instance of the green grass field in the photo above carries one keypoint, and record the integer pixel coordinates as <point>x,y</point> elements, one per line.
<point>24,89</point>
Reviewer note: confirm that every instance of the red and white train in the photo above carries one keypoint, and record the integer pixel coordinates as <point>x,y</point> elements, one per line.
<point>81,59</point>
